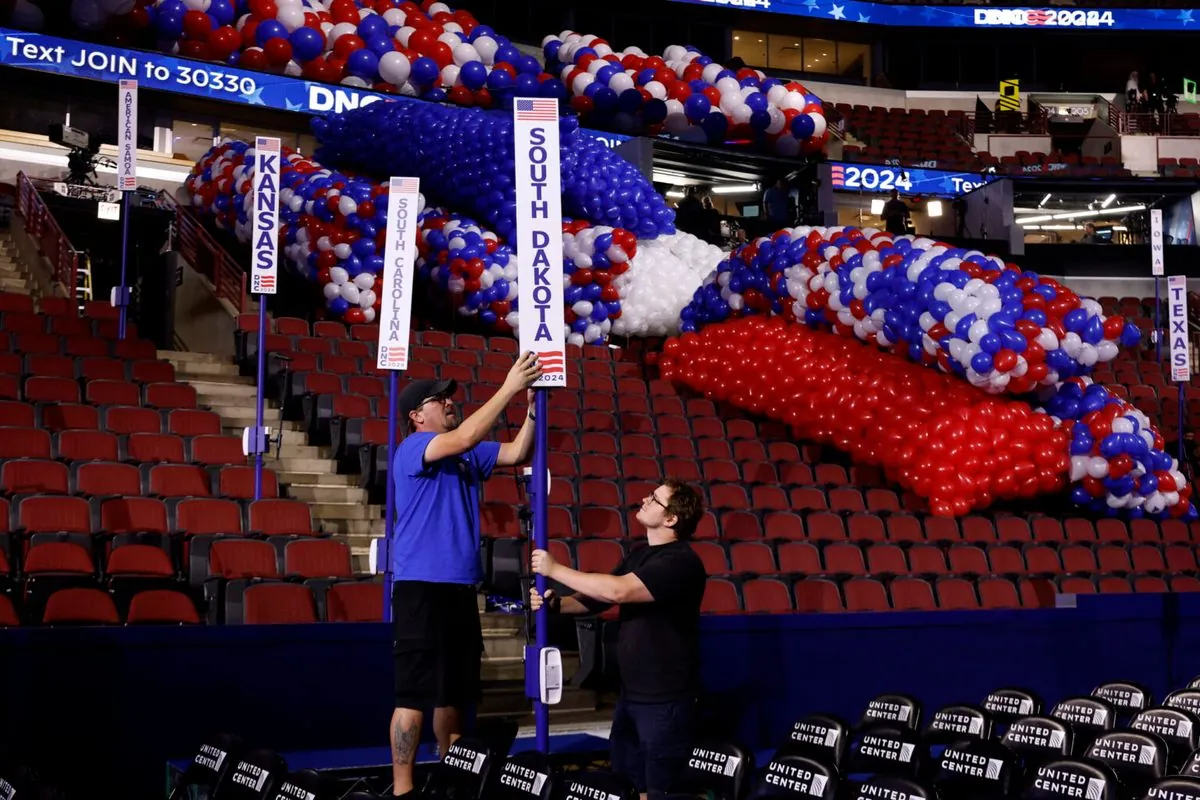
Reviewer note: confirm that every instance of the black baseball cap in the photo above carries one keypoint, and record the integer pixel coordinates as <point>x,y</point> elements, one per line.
<point>417,392</point>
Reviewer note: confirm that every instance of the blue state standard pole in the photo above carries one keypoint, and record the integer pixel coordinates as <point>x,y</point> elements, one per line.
<point>389,514</point>
<point>259,440</point>
<point>1180,385</point>
<point>541,535</point>
<point>122,292</point>
<point>1158,329</point>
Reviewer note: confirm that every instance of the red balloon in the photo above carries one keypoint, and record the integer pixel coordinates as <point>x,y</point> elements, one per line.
<point>278,52</point>
<point>253,58</point>
<point>224,41</point>
<point>197,25</point>
<point>347,44</point>
<point>354,316</point>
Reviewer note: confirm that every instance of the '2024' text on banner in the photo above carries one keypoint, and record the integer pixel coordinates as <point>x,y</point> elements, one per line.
<point>167,73</point>
<point>1181,365</point>
<point>127,115</point>
<point>399,253</point>
<point>539,236</point>
<point>264,270</point>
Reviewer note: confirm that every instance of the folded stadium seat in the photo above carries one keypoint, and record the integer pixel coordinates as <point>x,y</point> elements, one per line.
<point>44,364</point>
<point>679,447</point>
<point>886,559</point>
<point>911,594</point>
<point>133,519</point>
<point>667,406</point>
<point>354,601</point>
<point>1114,558</point>
<point>24,443</point>
<point>161,607</point>
<point>295,385</point>
<point>47,389</point>
<point>237,482</point>
<point>83,346</point>
<point>1184,583</point>
<point>1177,532</point>
<point>1079,530</point>
<point>151,448</point>
<point>636,445</point>
<point>1009,560</point>
<point>471,341</point>
<point>967,559</point>
<point>97,369</point>
<point>1037,592</point>
<point>1180,558</point>
<point>741,526</point>
<point>168,396</point>
<point>58,416</point>
<point>502,491</point>
<point>498,520</point>
<point>147,371</point>
<point>904,528</point>
<point>597,466</point>
<point>1077,559</point>
<point>784,526</point>
<point>291,326</point>
<point>104,479</point>
<point>367,333</point>
<point>317,558</point>
<point>1048,530</point>
<point>273,603</point>
<point>594,444</point>
<point>80,606</point>
<point>601,523</point>
<point>942,530</point>
<point>1145,530</point>
<point>1073,584</point>
<point>215,451</point>
<point>192,422</point>
<point>100,309</point>
<point>599,555</point>
<point>51,566</point>
<point>134,567</point>
<point>34,476</point>
<point>16,322</point>
<point>27,343</point>
<point>112,393</point>
<point>728,496</point>
<point>978,530</point>
<point>865,594</point>
<point>883,501</point>
<point>367,386</point>
<point>846,500</point>
<point>1043,560</point>
<point>843,560</point>
<point>766,596</point>
<point>8,613</point>
<point>760,475</point>
<point>635,468</point>
<point>956,594</point>
<point>768,498</point>
<point>279,518</point>
<point>1112,530</point>
<point>713,557</point>
<point>682,469</point>
<point>1113,584</point>
<point>345,366</point>
<point>605,493</point>
<point>831,475</point>
<point>808,498</point>
<point>205,517</point>
<point>124,420</point>
<point>720,471</point>
<point>175,480</point>
<point>10,387</point>
<point>1147,584</point>
<point>865,528</point>
<point>1013,530</point>
<point>796,474</point>
<point>997,593</point>
<point>11,302</point>
<point>824,526</point>
<point>924,560</point>
<point>70,326</point>
<point>11,365</point>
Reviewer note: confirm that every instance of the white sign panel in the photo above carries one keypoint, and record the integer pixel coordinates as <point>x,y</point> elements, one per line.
<point>1181,365</point>
<point>539,236</point>
<point>127,136</point>
<point>1156,242</point>
<point>264,274</point>
<point>399,253</point>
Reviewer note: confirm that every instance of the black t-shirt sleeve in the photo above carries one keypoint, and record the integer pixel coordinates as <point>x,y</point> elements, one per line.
<point>666,576</point>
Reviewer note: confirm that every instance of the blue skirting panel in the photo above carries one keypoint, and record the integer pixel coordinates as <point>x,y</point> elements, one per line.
<point>113,705</point>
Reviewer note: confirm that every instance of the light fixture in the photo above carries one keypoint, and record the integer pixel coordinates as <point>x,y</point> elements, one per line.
<point>934,208</point>
<point>1078,214</point>
<point>877,206</point>
<point>678,195</point>
<point>1045,199</point>
<point>1108,201</point>
<point>737,38</point>
<point>736,188</point>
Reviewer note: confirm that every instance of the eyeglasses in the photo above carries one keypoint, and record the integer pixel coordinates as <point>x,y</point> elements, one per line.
<point>655,500</point>
<point>443,398</point>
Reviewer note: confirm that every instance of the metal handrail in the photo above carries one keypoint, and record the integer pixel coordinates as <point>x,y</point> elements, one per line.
<point>207,256</point>
<point>44,229</point>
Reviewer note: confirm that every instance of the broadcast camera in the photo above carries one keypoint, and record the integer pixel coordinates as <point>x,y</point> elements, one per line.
<point>84,157</point>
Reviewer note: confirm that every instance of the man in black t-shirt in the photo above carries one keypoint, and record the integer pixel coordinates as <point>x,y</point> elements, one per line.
<point>659,589</point>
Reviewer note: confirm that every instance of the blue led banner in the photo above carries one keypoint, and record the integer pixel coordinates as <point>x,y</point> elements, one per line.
<point>1104,19</point>
<point>183,76</point>
<point>883,178</point>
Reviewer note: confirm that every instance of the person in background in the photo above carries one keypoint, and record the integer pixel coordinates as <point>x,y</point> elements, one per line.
<point>689,214</point>
<point>659,588</point>
<point>895,215</point>
<point>776,202</point>
<point>710,222</point>
<point>1133,94</point>
<point>1089,234</point>
<point>437,471</point>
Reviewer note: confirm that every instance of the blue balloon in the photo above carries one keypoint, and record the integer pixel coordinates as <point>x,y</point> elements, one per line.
<point>269,29</point>
<point>306,43</point>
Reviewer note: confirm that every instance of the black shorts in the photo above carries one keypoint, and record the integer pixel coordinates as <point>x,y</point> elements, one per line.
<point>438,643</point>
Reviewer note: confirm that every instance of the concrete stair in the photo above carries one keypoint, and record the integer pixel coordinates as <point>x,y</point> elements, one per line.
<point>13,277</point>
<point>305,472</point>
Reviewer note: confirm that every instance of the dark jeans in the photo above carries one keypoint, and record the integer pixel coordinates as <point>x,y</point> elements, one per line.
<point>650,742</point>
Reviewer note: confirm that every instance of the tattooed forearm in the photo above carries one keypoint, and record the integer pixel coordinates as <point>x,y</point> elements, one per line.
<point>404,742</point>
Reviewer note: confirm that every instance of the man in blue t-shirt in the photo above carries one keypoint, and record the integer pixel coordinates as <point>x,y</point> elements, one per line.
<point>438,470</point>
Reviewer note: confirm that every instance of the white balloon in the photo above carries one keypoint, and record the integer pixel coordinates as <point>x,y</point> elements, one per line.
<point>338,275</point>
<point>403,34</point>
<point>1097,467</point>
<point>339,30</point>
<point>465,52</point>
<point>394,17</point>
<point>342,251</point>
<point>450,74</point>
<point>486,46</point>
<point>291,17</point>
<point>364,280</point>
<point>332,290</point>
<point>621,82</point>
<point>346,207</point>
<point>367,298</point>
<point>369,315</point>
<point>394,67</point>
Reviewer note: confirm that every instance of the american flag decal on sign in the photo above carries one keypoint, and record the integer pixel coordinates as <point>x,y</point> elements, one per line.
<point>553,362</point>
<point>394,353</point>
<point>264,284</point>
<point>537,110</point>
<point>405,185</point>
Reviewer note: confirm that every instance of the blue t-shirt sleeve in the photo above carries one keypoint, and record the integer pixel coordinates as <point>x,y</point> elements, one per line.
<point>410,455</point>
<point>484,455</point>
